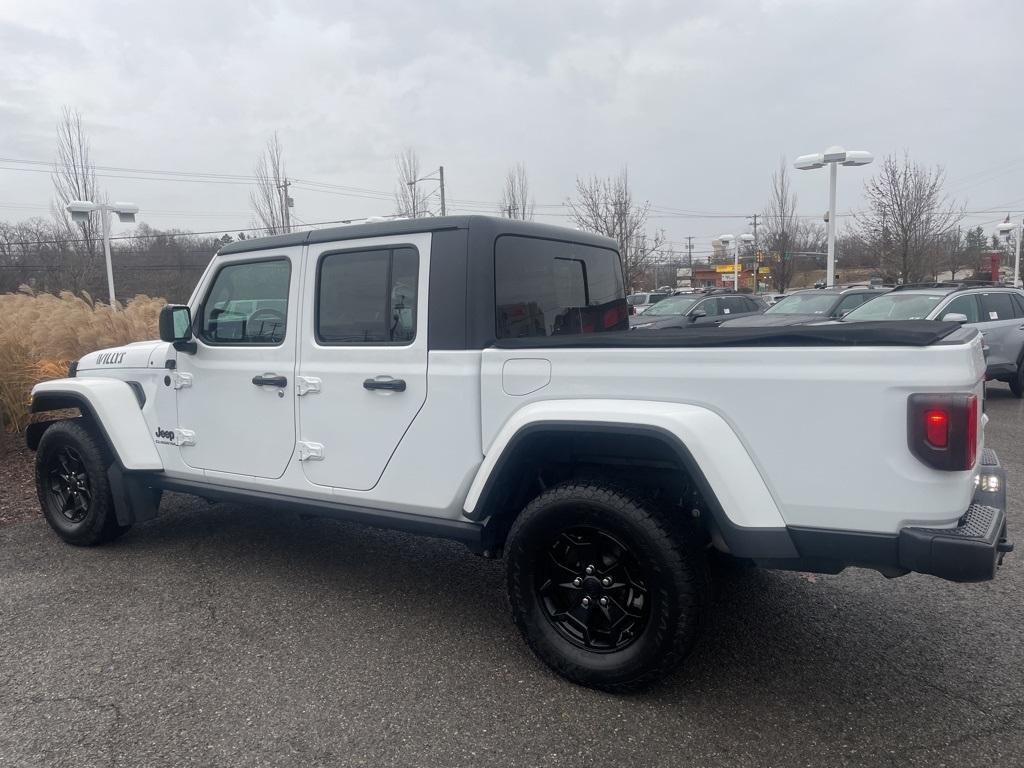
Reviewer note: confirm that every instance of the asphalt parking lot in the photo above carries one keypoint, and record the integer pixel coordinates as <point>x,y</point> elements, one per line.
<point>221,635</point>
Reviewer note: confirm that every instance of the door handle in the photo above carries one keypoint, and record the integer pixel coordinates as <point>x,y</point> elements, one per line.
<point>269,380</point>
<point>394,385</point>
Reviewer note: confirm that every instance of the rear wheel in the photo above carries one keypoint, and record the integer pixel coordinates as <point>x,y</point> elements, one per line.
<point>606,590</point>
<point>72,485</point>
<point>1017,381</point>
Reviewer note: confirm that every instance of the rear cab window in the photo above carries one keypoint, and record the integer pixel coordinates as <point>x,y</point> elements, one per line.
<point>554,288</point>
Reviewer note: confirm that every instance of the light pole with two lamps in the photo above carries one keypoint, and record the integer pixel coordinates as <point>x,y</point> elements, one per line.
<point>1006,228</point>
<point>833,157</point>
<point>80,210</point>
<point>745,238</point>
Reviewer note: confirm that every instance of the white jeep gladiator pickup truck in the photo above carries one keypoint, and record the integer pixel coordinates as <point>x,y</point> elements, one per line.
<point>474,378</point>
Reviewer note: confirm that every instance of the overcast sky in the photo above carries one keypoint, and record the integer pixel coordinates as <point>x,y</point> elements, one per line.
<point>699,99</point>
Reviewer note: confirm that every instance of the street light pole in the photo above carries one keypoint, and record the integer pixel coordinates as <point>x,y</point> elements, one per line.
<point>1005,228</point>
<point>833,156</point>
<point>80,210</point>
<point>105,218</point>
<point>830,264</point>
<point>727,239</point>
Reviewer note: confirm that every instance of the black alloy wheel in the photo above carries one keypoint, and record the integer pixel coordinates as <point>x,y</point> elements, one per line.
<point>607,586</point>
<point>593,590</point>
<point>69,490</point>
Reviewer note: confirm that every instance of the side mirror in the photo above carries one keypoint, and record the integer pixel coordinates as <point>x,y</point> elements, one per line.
<point>954,317</point>
<point>176,327</point>
<point>698,315</point>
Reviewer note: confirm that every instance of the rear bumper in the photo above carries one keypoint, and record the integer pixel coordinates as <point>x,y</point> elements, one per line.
<point>971,550</point>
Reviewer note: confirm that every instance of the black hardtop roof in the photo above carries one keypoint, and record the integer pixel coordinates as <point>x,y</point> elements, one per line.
<point>488,225</point>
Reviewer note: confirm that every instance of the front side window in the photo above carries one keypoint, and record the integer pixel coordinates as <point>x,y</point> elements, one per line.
<point>553,288</point>
<point>709,307</point>
<point>367,297</point>
<point>851,302</point>
<point>963,305</point>
<point>247,303</point>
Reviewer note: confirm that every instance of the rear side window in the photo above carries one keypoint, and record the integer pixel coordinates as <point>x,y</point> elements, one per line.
<point>1018,304</point>
<point>553,288</point>
<point>996,306</point>
<point>367,297</point>
<point>247,304</point>
<point>732,305</point>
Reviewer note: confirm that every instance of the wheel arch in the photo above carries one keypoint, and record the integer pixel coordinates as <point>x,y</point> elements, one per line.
<point>109,404</point>
<point>663,439</point>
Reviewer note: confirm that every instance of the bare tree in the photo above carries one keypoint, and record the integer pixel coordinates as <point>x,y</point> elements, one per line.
<point>908,216</point>
<point>411,198</point>
<point>606,206</point>
<point>781,229</point>
<point>74,178</point>
<point>270,201</point>
<point>516,202</point>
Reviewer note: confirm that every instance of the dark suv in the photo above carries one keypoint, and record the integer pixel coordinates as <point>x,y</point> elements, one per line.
<point>699,308</point>
<point>812,306</point>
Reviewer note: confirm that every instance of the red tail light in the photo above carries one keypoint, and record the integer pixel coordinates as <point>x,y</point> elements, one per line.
<point>942,430</point>
<point>936,428</point>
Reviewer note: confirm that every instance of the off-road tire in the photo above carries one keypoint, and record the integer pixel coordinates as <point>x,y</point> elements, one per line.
<point>97,523</point>
<point>666,549</point>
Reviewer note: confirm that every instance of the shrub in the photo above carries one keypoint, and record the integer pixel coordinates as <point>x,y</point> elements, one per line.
<point>40,334</point>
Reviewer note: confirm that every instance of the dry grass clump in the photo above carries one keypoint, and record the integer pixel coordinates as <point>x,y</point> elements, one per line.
<point>41,333</point>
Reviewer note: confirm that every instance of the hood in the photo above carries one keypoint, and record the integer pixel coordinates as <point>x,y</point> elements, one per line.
<point>139,354</point>
<point>775,320</point>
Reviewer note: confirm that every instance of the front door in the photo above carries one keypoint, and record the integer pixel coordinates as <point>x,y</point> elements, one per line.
<point>362,373</point>
<point>238,406</point>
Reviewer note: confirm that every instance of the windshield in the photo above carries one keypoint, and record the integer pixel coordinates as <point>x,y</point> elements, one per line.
<point>654,298</point>
<point>897,306</point>
<point>674,305</point>
<point>804,304</point>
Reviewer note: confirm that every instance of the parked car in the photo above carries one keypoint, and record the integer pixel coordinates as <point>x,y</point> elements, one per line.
<point>697,309</point>
<point>811,306</point>
<point>474,378</point>
<point>641,302</point>
<point>997,312</point>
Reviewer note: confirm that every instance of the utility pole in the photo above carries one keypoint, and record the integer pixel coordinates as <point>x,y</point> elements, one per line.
<point>754,219</point>
<point>440,174</point>
<point>286,203</point>
<point>689,251</point>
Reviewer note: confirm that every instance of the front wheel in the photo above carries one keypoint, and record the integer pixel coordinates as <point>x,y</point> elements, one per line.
<point>72,485</point>
<point>607,590</point>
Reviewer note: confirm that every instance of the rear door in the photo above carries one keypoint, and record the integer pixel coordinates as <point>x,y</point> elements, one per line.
<point>999,324</point>
<point>362,375</point>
